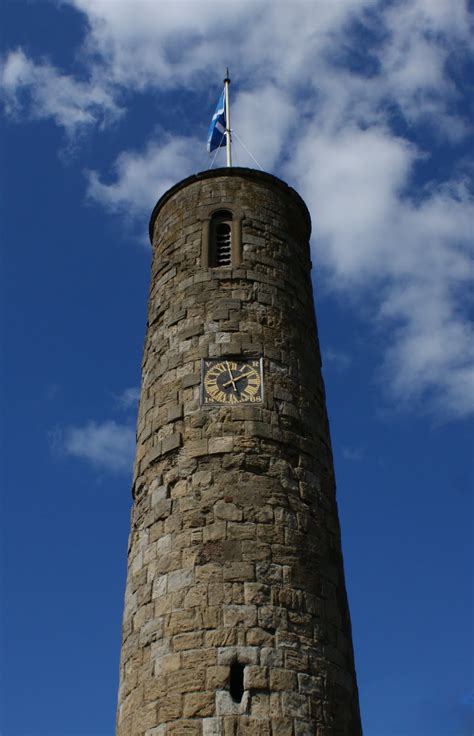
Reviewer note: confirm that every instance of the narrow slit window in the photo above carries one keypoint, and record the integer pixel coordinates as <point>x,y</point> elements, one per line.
<point>236,682</point>
<point>221,239</point>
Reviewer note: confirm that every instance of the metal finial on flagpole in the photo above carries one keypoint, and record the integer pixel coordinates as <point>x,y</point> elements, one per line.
<point>228,140</point>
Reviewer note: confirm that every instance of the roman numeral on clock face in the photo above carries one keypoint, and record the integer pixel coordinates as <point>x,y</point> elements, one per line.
<point>231,381</point>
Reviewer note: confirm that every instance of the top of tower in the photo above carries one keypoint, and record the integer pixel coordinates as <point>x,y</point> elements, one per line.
<point>234,172</point>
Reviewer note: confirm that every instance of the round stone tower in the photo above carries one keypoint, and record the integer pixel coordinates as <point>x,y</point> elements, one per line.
<point>236,618</point>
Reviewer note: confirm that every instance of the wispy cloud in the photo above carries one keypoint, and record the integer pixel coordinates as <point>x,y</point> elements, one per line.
<point>129,398</point>
<point>337,359</point>
<point>345,102</point>
<point>143,176</point>
<point>353,454</point>
<point>108,445</point>
<point>41,91</point>
<point>409,255</point>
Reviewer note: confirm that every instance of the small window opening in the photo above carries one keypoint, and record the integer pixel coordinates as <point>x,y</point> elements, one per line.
<point>221,239</point>
<point>236,682</point>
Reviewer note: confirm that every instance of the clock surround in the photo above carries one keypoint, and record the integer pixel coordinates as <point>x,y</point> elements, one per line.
<point>231,381</point>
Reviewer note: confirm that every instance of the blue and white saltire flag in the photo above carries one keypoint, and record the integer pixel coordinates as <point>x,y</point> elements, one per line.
<point>216,133</point>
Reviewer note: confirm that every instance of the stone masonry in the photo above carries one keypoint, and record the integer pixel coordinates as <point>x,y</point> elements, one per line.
<point>235,552</point>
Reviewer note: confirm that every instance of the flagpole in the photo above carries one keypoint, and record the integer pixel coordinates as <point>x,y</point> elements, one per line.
<point>227,118</point>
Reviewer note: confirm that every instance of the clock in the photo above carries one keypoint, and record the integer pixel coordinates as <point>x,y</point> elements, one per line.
<point>232,381</point>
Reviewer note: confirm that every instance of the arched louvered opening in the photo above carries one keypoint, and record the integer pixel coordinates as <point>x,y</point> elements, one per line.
<point>221,239</point>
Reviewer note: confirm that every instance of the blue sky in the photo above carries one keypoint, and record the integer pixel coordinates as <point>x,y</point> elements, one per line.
<point>364,107</point>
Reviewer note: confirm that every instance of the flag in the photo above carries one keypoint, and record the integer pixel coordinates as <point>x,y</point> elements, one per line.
<point>216,133</point>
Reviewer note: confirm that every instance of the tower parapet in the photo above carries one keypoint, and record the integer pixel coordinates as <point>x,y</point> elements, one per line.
<point>236,618</point>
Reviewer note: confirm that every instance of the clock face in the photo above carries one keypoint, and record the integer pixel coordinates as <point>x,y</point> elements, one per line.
<point>232,381</point>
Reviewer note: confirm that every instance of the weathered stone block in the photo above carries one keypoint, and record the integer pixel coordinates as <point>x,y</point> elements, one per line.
<point>281,679</point>
<point>171,443</point>
<point>215,531</point>
<point>192,640</point>
<point>260,705</point>
<point>303,728</point>
<point>272,617</point>
<point>244,655</point>
<point>196,596</point>
<point>239,571</point>
<point>242,530</point>
<point>221,444</point>
<point>217,677</point>
<point>211,572</point>
<point>158,494</point>
<point>296,660</point>
<point>160,648</point>
<point>235,615</point>
<point>209,617</point>
<point>171,707</point>
<point>179,579</point>
<point>212,727</point>
<point>255,678</point>
<point>254,726</point>
<point>162,509</point>
<point>309,685</point>
<point>175,413</point>
<point>178,622</point>
<point>228,511</point>
<point>257,593</point>
<point>198,705</point>
<point>282,727</point>
<point>259,637</point>
<point>145,718</point>
<point>196,448</point>
<point>215,592</point>
<point>158,731</point>
<point>187,681</point>
<point>225,705</point>
<point>221,637</point>
<point>199,657</point>
<point>184,728</point>
<point>193,379</point>
<point>295,705</point>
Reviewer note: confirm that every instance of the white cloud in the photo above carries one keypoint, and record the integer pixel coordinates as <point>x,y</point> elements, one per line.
<point>142,177</point>
<point>408,256</point>
<point>129,398</point>
<point>276,117</point>
<point>43,92</point>
<point>140,44</point>
<point>168,44</point>
<point>337,359</point>
<point>306,113</point>
<point>422,36</point>
<point>351,180</point>
<point>107,445</point>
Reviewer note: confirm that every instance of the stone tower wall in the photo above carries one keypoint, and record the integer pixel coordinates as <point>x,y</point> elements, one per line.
<point>235,550</point>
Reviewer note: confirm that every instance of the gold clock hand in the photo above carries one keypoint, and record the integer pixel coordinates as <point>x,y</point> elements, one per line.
<point>237,378</point>
<point>231,378</point>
